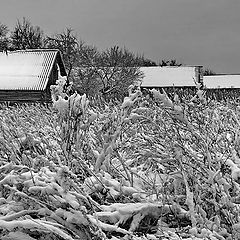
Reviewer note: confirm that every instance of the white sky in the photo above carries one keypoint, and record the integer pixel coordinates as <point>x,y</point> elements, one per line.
<point>195,32</point>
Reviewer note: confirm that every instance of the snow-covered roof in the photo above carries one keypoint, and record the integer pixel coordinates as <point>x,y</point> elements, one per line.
<point>222,81</point>
<point>183,76</point>
<point>28,69</point>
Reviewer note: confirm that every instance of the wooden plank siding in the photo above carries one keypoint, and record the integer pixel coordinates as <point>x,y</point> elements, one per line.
<point>23,96</point>
<point>223,94</point>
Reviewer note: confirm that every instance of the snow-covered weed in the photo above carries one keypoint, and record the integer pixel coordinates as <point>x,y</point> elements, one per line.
<point>141,169</point>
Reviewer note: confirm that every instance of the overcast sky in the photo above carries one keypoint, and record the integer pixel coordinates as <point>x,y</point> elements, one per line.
<point>195,32</point>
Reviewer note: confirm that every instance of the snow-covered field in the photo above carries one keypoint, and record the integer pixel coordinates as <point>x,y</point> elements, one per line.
<point>150,168</point>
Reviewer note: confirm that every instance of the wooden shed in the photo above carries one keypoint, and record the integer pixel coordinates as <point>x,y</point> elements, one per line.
<point>222,81</point>
<point>222,86</point>
<point>172,79</point>
<point>26,75</point>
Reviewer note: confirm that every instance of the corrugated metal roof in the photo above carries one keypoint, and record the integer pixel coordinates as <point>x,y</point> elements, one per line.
<point>222,81</point>
<point>26,69</point>
<point>169,76</point>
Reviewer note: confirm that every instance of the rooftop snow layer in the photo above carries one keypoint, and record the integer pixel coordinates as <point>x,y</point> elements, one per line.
<point>222,81</point>
<point>26,70</point>
<point>169,76</point>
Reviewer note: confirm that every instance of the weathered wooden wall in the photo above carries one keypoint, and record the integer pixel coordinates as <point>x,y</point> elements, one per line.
<point>24,96</point>
<point>223,94</point>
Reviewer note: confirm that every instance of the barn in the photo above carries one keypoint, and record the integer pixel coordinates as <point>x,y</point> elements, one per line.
<point>173,79</point>
<point>222,86</point>
<point>26,75</point>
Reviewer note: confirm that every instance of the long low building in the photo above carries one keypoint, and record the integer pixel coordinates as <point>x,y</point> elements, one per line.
<point>26,75</point>
<point>222,81</point>
<point>171,76</point>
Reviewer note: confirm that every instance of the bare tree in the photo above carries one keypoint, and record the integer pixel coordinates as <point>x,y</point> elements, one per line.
<point>208,72</point>
<point>112,70</point>
<point>3,37</point>
<point>108,73</point>
<point>68,44</point>
<point>147,62</point>
<point>85,76</point>
<point>26,36</point>
<point>172,62</point>
<point>118,69</point>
